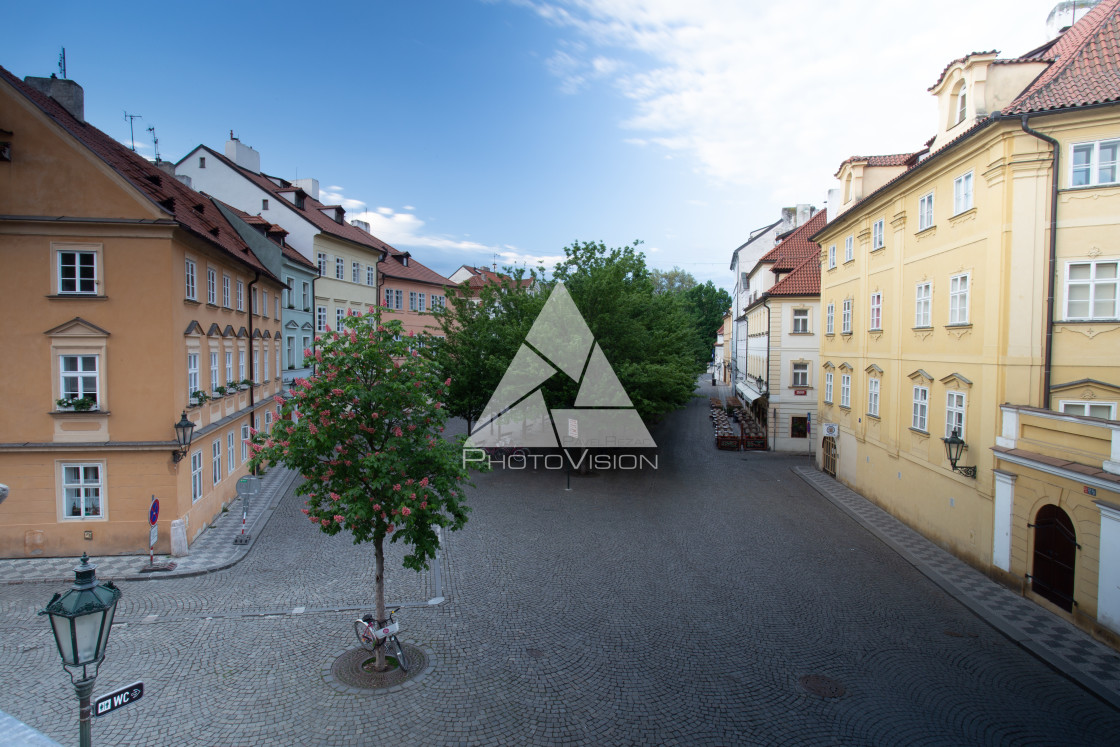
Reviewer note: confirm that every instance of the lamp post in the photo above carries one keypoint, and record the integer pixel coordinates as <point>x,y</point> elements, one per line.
<point>184,432</point>
<point>954,445</point>
<point>81,620</point>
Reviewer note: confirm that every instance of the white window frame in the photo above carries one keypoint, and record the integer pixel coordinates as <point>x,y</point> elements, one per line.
<point>1092,168</point>
<point>799,374</point>
<point>290,344</point>
<point>240,296</point>
<point>211,286</point>
<point>320,318</point>
<point>83,286</point>
<point>846,391</point>
<point>225,290</point>
<point>339,268</point>
<point>355,271</point>
<point>876,312</point>
<point>256,366</point>
<point>264,303</point>
<point>339,315</point>
<point>849,249</point>
<point>191,286</point>
<point>196,476</point>
<point>925,211</point>
<point>231,462</point>
<point>321,258</point>
<point>1092,283</point>
<point>229,367</point>
<point>244,443</point>
<point>241,365</point>
<point>828,387</point>
<point>962,193</point>
<point>923,304</point>
<point>371,276</point>
<point>279,368</point>
<point>89,491</point>
<point>215,380</point>
<point>846,317</point>
<point>830,319</point>
<point>1066,405</point>
<point>877,235</point>
<point>919,416</point>
<point>216,459</point>
<point>800,321</point>
<point>265,356</point>
<point>956,404</point>
<point>420,298</point>
<point>192,375</point>
<point>873,388</point>
<point>832,256</point>
<point>306,296</point>
<point>412,300</point>
<point>399,296</point>
<point>958,298</point>
<point>79,378</point>
<point>254,307</point>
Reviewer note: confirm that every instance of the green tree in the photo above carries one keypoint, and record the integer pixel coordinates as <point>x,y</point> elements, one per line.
<point>365,433</point>
<point>675,280</point>
<point>705,305</point>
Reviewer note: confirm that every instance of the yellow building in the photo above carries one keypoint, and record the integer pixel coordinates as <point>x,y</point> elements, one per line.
<point>979,272</point>
<point>128,299</point>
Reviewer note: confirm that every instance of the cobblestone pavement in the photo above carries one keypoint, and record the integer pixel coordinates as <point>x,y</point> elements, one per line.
<point>681,605</point>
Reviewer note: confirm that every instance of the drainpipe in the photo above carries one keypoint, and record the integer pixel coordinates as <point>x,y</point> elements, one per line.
<point>1053,259</point>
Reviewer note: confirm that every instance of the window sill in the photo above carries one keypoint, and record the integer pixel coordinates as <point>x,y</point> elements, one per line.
<point>875,331</point>
<point>922,329</point>
<point>919,431</point>
<point>803,334</point>
<point>846,408</point>
<point>971,212</point>
<point>847,335</point>
<point>212,305</point>
<point>68,413</point>
<point>1100,320</point>
<point>873,417</point>
<point>83,296</point>
<point>962,325</point>
<point>878,248</point>
<point>849,261</point>
<point>930,230</point>
<point>191,301</point>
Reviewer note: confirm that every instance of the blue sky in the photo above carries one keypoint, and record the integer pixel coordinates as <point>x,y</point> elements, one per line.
<point>472,131</point>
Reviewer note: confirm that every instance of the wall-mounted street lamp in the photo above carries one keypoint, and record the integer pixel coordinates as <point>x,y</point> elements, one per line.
<point>954,445</point>
<point>184,432</point>
<point>81,620</point>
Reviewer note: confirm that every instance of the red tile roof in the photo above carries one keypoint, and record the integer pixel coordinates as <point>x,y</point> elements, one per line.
<point>795,247</point>
<point>956,61</point>
<point>896,159</point>
<point>189,209</point>
<point>803,280</point>
<point>480,276</point>
<point>1085,68</point>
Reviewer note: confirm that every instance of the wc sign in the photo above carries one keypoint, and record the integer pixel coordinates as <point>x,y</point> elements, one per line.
<point>118,698</point>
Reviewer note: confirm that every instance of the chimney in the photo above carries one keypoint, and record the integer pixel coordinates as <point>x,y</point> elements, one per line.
<point>243,155</point>
<point>804,213</point>
<point>310,186</point>
<point>1065,14</point>
<point>66,92</point>
<point>360,224</point>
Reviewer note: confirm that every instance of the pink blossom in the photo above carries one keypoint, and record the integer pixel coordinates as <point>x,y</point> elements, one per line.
<point>311,427</point>
<point>326,522</point>
<point>335,496</point>
<point>411,333</point>
<point>390,529</point>
<point>306,354</point>
<point>416,384</point>
<point>319,355</point>
<point>253,431</point>
<point>377,507</point>
<point>397,487</point>
<point>411,427</point>
<point>373,416</point>
<point>408,481</point>
<point>423,504</point>
<point>337,519</point>
<point>424,482</point>
<point>406,511</point>
<point>412,496</point>
<point>454,493</point>
<point>439,405</point>
<point>448,382</point>
<point>305,511</point>
<point>278,399</point>
<point>397,431</point>
<point>337,392</point>
<point>327,328</point>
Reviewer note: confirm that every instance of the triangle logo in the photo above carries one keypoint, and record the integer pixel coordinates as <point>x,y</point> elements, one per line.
<point>560,342</point>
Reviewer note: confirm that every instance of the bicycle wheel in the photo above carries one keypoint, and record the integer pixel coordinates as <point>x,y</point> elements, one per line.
<point>394,648</point>
<point>366,638</point>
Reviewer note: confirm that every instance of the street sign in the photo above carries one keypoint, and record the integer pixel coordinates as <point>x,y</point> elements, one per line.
<point>152,537</point>
<point>831,429</point>
<point>118,698</point>
<point>248,486</point>
<point>153,512</point>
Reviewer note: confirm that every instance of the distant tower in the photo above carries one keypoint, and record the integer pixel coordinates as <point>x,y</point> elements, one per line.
<point>1065,14</point>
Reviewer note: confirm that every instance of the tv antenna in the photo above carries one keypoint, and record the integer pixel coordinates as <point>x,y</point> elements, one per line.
<point>155,141</point>
<point>62,62</point>
<point>131,131</point>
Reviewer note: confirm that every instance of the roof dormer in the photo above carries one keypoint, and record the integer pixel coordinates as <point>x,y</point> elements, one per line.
<point>861,175</point>
<point>335,212</point>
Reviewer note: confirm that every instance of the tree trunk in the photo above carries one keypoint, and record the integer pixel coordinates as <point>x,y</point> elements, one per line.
<point>379,595</point>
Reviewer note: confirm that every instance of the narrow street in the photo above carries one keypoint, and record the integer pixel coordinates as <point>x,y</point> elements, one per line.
<point>681,605</point>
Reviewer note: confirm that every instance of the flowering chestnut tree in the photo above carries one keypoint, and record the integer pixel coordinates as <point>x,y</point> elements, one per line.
<point>366,434</point>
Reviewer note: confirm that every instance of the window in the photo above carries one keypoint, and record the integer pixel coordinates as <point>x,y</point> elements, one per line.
<point>79,377</point>
<point>254,306</point>
<point>846,318</point>
<point>306,346</point>
<point>256,366</point>
<point>1095,163</point>
<point>216,457</point>
<point>241,365</point>
<point>77,272</point>
<point>276,306</point>
<point>340,268</point>
<point>264,304</point>
<point>845,390</point>
<point>192,375</point>
<point>954,414</point>
<point>832,256</point>
<point>265,365</point>
<point>412,300</point>
<point>264,204</point>
<point>962,102</point>
<point>320,318</point>
<point>355,272</point>
<point>371,276</point>
<point>925,212</point>
<point>921,408</point>
<point>877,235</point>
<point>240,296</point>
<point>268,421</point>
<point>196,475</point>
<point>388,298</point>
<point>958,299</point>
<point>801,374</point>
<point>202,162</point>
<point>830,319</point>
<point>81,491</point>
<point>287,292</point>
<point>438,302</point>
<point>211,286</point>
<point>828,387</point>
<point>962,193</point>
<point>1092,290</point>
<point>873,397</point>
<point>291,343</point>
<point>229,368</point>
<point>922,295</point>
<point>192,292</point>
<point>278,369</point>
<point>801,321</point>
<point>214,380</point>
<point>799,427</point>
<point>399,299</point>
<point>1106,410</point>
<point>876,311</point>
<point>225,290</point>
<point>244,442</point>
<point>230,464</point>
<point>339,314</point>
<point>421,306</point>
<point>849,249</point>
<point>307,296</point>
<point>322,264</point>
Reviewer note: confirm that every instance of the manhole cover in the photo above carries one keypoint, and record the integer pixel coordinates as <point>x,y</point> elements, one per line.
<point>355,668</point>
<point>824,687</point>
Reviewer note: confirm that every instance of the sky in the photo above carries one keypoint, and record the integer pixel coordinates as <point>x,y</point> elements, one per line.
<point>501,131</point>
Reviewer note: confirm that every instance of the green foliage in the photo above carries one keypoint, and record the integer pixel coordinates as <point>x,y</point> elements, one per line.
<point>367,440</point>
<point>706,306</point>
<point>675,280</point>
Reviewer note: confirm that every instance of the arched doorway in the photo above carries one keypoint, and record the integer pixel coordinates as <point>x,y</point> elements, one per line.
<point>1055,556</point>
<point>828,455</point>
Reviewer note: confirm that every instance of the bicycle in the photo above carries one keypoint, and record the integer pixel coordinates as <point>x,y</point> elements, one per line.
<point>372,637</point>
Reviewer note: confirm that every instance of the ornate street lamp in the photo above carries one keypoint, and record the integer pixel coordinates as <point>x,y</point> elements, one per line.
<point>81,620</point>
<point>184,432</point>
<point>954,445</point>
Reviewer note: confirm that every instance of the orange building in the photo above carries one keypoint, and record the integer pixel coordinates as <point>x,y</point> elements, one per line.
<point>128,299</point>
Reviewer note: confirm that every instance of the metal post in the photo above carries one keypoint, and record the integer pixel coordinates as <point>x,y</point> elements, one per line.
<point>84,688</point>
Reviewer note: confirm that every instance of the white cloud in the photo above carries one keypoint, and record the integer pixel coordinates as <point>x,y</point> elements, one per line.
<point>333,196</point>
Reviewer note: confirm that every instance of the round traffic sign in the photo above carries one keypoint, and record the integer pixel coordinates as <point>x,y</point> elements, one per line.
<point>153,513</point>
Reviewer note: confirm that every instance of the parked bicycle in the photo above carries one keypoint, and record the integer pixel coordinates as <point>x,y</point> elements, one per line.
<point>373,635</point>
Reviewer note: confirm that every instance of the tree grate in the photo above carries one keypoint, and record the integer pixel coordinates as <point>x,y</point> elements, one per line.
<point>355,668</point>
